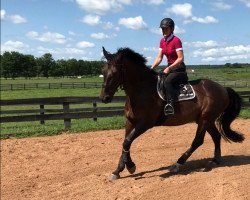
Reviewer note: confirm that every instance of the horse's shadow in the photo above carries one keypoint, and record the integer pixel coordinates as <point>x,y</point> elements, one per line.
<point>196,166</point>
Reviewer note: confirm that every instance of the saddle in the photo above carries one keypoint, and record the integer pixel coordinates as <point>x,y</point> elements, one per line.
<point>182,91</point>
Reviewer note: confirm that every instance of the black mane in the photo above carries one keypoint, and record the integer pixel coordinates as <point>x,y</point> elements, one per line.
<point>133,56</point>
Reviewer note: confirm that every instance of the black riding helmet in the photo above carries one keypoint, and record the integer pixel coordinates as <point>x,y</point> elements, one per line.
<point>167,22</point>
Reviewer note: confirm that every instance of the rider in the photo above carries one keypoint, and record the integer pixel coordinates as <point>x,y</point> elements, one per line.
<point>171,47</point>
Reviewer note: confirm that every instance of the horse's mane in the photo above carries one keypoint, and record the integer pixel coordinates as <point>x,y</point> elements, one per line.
<point>133,56</point>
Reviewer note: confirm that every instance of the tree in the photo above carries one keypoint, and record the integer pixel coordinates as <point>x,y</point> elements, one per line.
<point>11,64</point>
<point>45,64</point>
<point>29,68</point>
<point>73,67</point>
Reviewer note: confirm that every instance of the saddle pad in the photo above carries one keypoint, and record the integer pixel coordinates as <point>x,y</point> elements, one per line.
<point>182,92</point>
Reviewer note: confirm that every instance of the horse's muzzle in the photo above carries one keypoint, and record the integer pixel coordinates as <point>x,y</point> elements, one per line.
<point>106,99</point>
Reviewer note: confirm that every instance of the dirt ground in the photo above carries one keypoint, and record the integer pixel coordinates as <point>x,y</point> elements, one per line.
<point>76,166</point>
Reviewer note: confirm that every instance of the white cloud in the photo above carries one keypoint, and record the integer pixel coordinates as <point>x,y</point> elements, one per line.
<point>101,36</point>
<point>91,20</point>
<point>47,37</point>
<point>107,25</point>
<point>17,19</point>
<point>246,2</point>
<point>224,53</point>
<point>32,34</point>
<point>207,44</point>
<point>150,49</point>
<point>184,10</point>
<point>178,30</point>
<point>13,46</point>
<point>125,2</point>
<point>153,2</point>
<point>71,33</point>
<point>3,14</point>
<point>157,31</point>
<point>102,6</point>
<point>221,6</point>
<point>62,51</point>
<point>85,44</point>
<point>135,23</point>
<point>205,20</point>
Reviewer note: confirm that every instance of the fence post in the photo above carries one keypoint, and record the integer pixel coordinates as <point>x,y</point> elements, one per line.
<point>42,113</point>
<point>67,121</point>
<point>94,111</point>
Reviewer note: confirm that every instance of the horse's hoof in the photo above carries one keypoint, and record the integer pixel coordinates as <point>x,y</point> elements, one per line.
<point>132,169</point>
<point>210,166</point>
<point>175,168</point>
<point>113,177</point>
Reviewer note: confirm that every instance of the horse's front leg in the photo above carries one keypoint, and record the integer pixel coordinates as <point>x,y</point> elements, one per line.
<point>125,159</point>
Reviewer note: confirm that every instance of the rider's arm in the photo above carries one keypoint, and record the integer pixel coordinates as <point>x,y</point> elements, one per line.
<point>158,59</point>
<point>179,60</point>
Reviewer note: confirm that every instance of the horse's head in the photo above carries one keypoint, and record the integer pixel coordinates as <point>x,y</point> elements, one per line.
<point>112,72</point>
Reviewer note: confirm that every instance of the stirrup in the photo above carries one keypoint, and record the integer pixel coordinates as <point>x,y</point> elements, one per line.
<point>168,109</point>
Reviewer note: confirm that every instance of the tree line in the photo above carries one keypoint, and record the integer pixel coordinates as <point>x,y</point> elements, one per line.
<point>15,64</point>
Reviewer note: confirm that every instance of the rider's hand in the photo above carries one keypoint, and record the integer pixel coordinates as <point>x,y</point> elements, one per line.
<point>167,70</point>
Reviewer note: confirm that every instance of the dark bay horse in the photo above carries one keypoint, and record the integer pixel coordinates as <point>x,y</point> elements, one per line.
<point>214,108</point>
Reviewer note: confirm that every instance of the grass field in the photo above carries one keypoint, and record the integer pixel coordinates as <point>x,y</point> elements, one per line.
<point>28,129</point>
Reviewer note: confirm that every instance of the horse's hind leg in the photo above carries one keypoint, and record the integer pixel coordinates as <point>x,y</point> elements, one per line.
<point>216,136</point>
<point>198,141</point>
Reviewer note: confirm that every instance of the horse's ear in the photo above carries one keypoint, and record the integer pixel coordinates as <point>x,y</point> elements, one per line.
<point>106,54</point>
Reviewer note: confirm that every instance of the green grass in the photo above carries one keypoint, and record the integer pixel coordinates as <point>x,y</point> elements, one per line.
<point>43,93</point>
<point>50,80</point>
<point>222,74</point>
<point>35,129</point>
<point>31,129</point>
<point>245,113</point>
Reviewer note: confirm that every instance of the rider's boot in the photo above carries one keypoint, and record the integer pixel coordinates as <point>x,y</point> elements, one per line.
<point>169,107</point>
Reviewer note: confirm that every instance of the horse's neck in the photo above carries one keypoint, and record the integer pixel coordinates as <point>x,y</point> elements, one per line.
<point>137,78</point>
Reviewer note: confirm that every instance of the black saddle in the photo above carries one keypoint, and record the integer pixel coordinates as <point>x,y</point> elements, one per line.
<point>182,91</point>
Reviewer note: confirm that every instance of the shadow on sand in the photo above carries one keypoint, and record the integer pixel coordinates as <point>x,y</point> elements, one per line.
<point>196,166</point>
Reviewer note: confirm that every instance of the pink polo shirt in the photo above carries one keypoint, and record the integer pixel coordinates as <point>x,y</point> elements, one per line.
<point>170,47</point>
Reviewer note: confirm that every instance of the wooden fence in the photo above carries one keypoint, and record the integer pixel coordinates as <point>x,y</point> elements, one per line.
<point>75,85</point>
<point>67,112</point>
<point>33,86</point>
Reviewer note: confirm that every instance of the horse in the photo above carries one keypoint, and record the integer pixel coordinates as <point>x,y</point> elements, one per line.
<point>213,109</point>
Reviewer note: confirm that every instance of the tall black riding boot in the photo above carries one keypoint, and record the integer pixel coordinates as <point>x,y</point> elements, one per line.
<point>169,107</point>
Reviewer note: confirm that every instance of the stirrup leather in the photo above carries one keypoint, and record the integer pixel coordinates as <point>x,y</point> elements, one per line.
<point>168,109</point>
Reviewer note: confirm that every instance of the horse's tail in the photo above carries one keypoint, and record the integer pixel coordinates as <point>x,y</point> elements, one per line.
<point>232,111</point>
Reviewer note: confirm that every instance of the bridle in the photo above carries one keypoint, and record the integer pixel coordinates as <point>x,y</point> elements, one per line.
<point>121,68</point>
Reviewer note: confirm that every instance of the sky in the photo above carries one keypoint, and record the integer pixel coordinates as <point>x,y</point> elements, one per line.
<point>212,31</point>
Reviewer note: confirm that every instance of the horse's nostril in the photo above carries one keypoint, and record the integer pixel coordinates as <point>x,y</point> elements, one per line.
<point>106,99</point>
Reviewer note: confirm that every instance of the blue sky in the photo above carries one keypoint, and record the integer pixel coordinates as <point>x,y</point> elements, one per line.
<point>212,31</point>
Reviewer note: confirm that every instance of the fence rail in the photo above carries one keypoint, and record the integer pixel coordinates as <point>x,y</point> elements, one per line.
<point>75,85</point>
<point>33,86</point>
<point>67,112</point>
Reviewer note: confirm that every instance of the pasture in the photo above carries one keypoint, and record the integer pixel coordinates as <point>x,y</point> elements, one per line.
<point>228,76</point>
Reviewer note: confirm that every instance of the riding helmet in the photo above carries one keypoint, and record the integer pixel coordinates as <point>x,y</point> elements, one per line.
<point>167,22</point>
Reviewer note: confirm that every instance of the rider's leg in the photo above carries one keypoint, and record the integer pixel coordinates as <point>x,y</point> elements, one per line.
<point>169,108</point>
